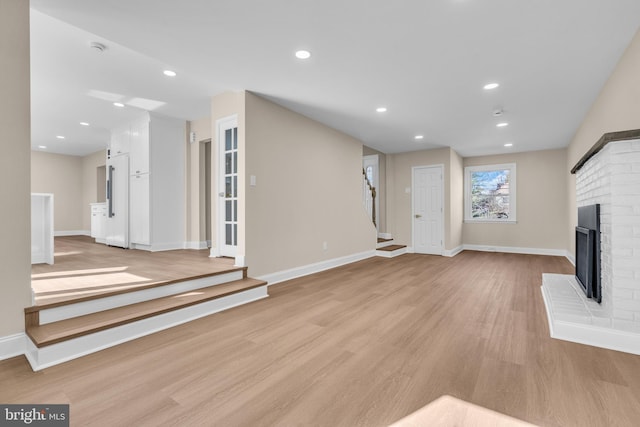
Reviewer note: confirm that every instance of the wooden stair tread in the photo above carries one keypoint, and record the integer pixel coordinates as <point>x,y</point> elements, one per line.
<point>103,294</point>
<point>52,333</point>
<point>382,240</point>
<point>391,248</point>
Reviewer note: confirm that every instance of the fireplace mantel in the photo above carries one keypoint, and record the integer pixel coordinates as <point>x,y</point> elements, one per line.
<point>603,141</point>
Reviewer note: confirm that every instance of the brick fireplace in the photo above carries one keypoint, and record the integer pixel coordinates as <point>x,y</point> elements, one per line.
<point>608,175</point>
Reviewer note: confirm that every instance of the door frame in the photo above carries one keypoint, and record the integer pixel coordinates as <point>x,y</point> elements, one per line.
<point>221,126</point>
<point>374,158</point>
<point>413,192</point>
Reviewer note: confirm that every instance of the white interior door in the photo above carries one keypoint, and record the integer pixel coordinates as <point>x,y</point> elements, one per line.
<point>428,214</point>
<point>228,187</point>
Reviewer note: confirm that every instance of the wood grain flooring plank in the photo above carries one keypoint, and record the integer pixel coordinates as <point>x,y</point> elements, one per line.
<point>364,344</point>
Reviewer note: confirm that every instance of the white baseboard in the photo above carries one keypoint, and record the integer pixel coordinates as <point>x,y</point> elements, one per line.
<point>515,250</point>
<point>12,345</point>
<point>196,245</point>
<point>570,257</point>
<point>240,261</point>
<point>281,276</point>
<point>589,334</point>
<point>158,247</point>
<point>61,233</point>
<point>44,357</point>
<point>452,252</point>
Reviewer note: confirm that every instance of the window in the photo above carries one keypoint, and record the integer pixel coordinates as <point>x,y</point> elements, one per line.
<point>490,193</point>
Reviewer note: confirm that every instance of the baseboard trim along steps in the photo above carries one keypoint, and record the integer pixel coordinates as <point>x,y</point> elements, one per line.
<point>391,251</point>
<point>62,340</point>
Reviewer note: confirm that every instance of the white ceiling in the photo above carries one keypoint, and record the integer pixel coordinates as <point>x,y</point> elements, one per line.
<point>426,61</point>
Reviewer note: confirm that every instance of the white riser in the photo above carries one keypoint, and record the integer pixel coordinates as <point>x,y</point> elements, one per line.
<point>387,254</point>
<point>383,244</point>
<point>92,306</point>
<point>41,358</point>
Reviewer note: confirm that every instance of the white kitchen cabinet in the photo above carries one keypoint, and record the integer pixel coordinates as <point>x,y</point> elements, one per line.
<point>99,221</point>
<point>120,140</point>
<point>139,147</point>
<point>156,147</point>
<point>139,218</point>
<point>41,228</point>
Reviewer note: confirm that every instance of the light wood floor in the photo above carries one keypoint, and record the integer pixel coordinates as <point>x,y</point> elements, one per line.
<point>365,344</point>
<point>82,267</point>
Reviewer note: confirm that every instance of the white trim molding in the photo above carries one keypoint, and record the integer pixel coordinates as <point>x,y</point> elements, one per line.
<point>305,270</point>
<point>385,235</point>
<point>196,245</point>
<point>452,252</point>
<point>13,345</point>
<point>62,233</point>
<point>515,250</point>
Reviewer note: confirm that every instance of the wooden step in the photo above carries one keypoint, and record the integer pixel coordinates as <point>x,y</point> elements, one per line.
<point>383,240</point>
<point>63,330</point>
<point>391,251</point>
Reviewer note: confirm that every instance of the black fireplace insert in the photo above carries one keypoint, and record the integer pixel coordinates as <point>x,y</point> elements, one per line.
<point>588,251</point>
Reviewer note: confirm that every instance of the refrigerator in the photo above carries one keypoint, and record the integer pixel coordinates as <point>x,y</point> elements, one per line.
<point>117,227</point>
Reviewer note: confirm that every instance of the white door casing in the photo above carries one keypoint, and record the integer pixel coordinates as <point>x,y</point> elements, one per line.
<point>227,196</point>
<point>427,209</point>
<point>370,164</point>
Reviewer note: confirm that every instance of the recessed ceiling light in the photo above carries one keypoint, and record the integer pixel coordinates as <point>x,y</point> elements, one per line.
<point>118,104</point>
<point>169,73</point>
<point>84,123</point>
<point>490,86</point>
<point>303,54</point>
<point>60,137</point>
<point>43,147</point>
<point>381,109</point>
<point>419,137</point>
<point>503,124</point>
<point>508,144</point>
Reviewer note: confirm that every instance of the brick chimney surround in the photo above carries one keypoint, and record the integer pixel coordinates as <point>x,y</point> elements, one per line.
<point>608,174</point>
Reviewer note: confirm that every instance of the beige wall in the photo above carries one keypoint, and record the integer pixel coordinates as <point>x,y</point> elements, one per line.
<point>309,191</point>
<point>399,169</point>
<point>15,142</point>
<point>381,191</point>
<point>63,176</point>
<point>90,184</point>
<point>456,201</point>
<point>195,188</point>
<point>541,203</point>
<point>617,108</point>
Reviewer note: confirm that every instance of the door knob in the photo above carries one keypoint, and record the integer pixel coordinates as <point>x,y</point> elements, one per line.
<point>418,216</point>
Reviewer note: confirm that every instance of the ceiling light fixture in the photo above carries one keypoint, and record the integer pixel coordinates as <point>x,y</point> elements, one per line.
<point>490,86</point>
<point>419,137</point>
<point>118,104</point>
<point>169,73</point>
<point>381,109</point>
<point>303,54</point>
<point>84,124</point>
<point>508,144</point>
<point>60,137</point>
<point>503,124</point>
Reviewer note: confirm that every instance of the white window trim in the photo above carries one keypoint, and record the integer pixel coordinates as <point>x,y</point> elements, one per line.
<point>512,193</point>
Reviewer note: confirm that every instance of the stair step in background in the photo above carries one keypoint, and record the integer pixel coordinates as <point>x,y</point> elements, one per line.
<point>391,251</point>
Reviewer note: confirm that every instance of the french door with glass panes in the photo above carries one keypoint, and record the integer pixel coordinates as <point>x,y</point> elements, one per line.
<point>228,179</point>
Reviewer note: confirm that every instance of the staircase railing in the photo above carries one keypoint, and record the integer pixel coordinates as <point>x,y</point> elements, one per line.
<point>369,197</point>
